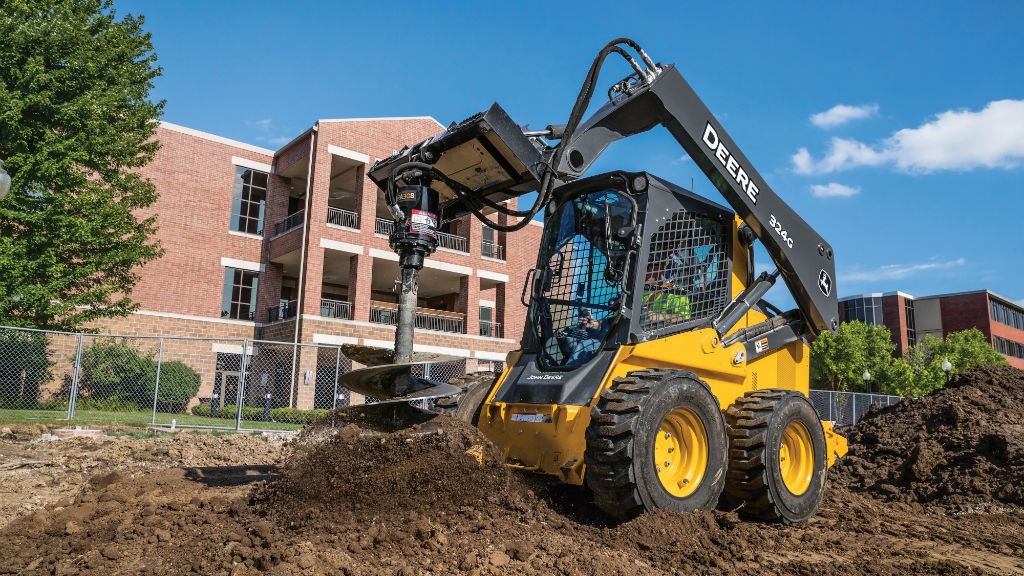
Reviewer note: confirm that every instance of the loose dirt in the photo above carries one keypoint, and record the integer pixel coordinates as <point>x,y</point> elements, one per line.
<point>352,501</point>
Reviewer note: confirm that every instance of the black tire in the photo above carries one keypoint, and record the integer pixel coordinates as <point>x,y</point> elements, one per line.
<point>754,484</point>
<point>621,443</point>
<point>466,405</point>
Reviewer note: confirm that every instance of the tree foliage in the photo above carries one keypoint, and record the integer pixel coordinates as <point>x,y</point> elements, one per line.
<point>838,360</point>
<point>117,376</point>
<point>923,362</point>
<point>76,123</point>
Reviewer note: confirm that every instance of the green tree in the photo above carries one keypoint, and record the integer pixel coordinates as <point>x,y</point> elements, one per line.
<point>24,367</point>
<point>76,124</point>
<point>964,350</point>
<point>838,360</point>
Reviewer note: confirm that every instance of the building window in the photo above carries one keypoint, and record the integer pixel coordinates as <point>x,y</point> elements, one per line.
<point>239,300</point>
<point>867,310</point>
<point>249,201</point>
<point>1008,347</point>
<point>1006,315</point>
<point>911,324</point>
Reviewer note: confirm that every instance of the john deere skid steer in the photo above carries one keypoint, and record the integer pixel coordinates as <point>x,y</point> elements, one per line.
<point>650,367</point>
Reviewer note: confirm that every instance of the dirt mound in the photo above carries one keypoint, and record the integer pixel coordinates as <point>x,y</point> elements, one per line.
<point>959,446</point>
<point>436,468</point>
<point>357,502</point>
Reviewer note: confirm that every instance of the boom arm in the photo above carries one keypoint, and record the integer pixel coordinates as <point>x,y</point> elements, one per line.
<point>487,158</point>
<point>804,258</point>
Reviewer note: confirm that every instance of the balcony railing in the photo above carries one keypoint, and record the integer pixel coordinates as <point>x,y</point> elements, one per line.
<point>426,319</point>
<point>335,309</point>
<point>490,329</point>
<point>444,239</point>
<point>293,221</point>
<point>282,311</point>
<point>492,250</point>
<point>341,217</point>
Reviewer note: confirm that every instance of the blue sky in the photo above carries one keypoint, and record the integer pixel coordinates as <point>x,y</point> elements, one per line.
<point>896,129</point>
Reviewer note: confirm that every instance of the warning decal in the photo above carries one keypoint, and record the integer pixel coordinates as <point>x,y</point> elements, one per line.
<point>423,222</point>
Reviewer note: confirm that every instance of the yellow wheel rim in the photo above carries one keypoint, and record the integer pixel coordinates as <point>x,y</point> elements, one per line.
<point>681,452</point>
<point>796,458</point>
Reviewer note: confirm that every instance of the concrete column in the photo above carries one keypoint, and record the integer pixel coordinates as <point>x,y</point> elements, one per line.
<point>359,282</point>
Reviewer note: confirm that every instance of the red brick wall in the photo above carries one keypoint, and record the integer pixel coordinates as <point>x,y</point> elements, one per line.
<point>966,311</point>
<point>894,314</point>
<point>195,179</point>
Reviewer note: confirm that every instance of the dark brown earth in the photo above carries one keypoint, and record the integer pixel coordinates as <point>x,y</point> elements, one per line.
<point>357,502</point>
<point>962,446</point>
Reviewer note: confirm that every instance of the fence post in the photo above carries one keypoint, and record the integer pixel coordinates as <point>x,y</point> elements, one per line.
<point>240,396</point>
<point>426,371</point>
<point>337,373</point>
<point>831,401</point>
<point>854,423</point>
<point>156,386</point>
<point>75,375</point>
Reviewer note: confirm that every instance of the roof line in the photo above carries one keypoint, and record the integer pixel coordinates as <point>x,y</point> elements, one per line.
<point>215,138</point>
<point>431,118</point>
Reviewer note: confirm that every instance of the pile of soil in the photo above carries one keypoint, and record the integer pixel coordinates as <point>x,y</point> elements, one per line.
<point>356,501</point>
<point>961,446</point>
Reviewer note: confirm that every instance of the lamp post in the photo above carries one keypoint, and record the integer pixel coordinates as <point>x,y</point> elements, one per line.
<point>946,367</point>
<point>867,381</point>
<point>5,181</point>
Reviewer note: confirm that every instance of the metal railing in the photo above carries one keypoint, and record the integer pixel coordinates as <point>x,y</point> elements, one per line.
<point>341,217</point>
<point>220,383</point>
<point>282,311</point>
<point>388,314</point>
<point>490,329</point>
<point>335,309</point>
<point>444,239</point>
<point>293,221</point>
<point>492,250</point>
<point>847,408</point>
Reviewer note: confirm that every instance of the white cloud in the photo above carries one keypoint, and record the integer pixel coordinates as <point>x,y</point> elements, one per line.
<point>833,189</point>
<point>841,114</point>
<point>261,124</point>
<point>266,130</point>
<point>953,140</point>
<point>898,271</point>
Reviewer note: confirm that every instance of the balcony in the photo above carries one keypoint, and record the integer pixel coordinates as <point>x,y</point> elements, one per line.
<point>492,250</point>
<point>335,309</point>
<point>426,318</point>
<point>444,240</point>
<point>340,217</point>
<point>282,311</point>
<point>490,329</point>
<point>293,221</point>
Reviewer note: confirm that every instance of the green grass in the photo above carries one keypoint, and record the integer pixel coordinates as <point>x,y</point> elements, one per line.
<point>136,419</point>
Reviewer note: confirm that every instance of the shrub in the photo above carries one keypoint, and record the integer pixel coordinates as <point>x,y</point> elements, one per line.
<point>113,370</point>
<point>178,384</point>
<point>24,367</point>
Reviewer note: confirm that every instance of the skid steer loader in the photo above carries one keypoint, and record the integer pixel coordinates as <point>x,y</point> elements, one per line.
<point>650,367</point>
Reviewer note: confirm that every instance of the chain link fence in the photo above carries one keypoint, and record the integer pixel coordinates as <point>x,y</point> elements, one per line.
<point>239,384</point>
<point>847,408</point>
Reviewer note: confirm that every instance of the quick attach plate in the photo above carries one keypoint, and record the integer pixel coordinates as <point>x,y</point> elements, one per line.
<point>487,153</point>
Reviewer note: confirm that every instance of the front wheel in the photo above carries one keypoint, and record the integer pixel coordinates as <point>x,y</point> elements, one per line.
<point>656,439</point>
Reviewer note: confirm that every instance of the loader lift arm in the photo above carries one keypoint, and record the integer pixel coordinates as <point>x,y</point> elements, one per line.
<point>804,258</point>
<point>487,158</point>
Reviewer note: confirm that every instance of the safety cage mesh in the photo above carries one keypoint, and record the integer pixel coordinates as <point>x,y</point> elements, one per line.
<point>687,272</point>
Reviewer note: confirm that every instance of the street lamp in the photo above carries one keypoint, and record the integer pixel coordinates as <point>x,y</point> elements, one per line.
<point>5,181</point>
<point>867,381</point>
<point>946,367</point>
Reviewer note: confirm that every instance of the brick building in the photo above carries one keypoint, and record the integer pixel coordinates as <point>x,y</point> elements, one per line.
<point>291,246</point>
<point>910,319</point>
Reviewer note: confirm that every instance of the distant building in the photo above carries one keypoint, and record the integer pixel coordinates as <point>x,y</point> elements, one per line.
<point>910,319</point>
<point>291,245</point>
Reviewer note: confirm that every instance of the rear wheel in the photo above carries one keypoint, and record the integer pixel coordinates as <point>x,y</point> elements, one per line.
<point>777,457</point>
<point>656,440</point>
